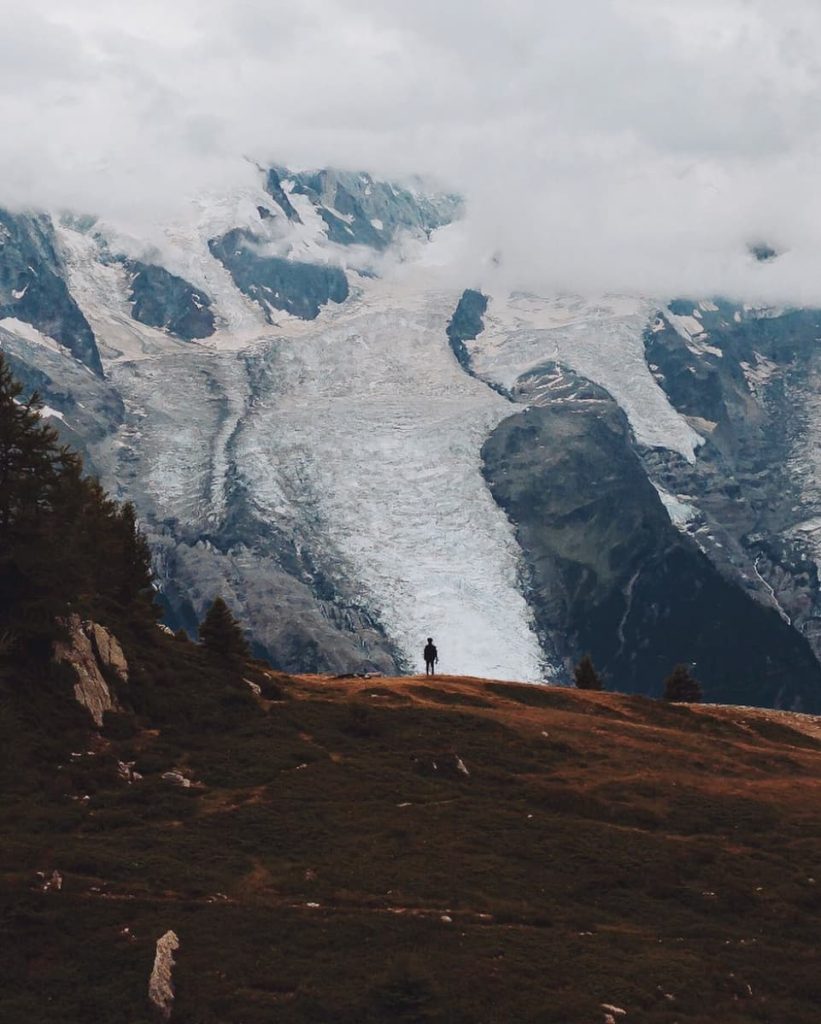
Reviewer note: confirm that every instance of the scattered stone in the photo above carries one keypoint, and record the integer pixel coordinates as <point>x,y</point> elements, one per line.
<point>52,883</point>
<point>616,1011</point>
<point>313,906</point>
<point>176,777</point>
<point>125,769</point>
<point>461,766</point>
<point>446,919</point>
<point>165,629</point>
<point>255,687</point>
<point>160,984</point>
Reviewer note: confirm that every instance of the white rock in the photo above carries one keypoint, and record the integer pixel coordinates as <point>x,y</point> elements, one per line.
<point>54,883</point>
<point>107,648</point>
<point>160,984</point>
<point>91,689</point>
<point>177,778</point>
<point>125,769</point>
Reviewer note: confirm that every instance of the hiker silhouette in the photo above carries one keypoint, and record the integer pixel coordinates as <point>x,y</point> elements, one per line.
<point>431,657</point>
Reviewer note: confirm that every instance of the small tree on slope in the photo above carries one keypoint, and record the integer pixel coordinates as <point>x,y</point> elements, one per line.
<point>221,634</point>
<point>682,687</point>
<point>586,676</point>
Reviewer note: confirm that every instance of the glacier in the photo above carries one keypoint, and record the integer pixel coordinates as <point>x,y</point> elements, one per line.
<point>325,469</point>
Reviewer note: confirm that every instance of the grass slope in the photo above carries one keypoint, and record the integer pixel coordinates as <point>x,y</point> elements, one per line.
<point>333,863</point>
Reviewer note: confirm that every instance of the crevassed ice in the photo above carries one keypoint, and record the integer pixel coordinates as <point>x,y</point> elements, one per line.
<point>602,339</point>
<point>373,434</point>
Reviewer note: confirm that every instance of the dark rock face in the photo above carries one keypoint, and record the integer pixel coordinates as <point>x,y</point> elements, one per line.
<point>360,211</point>
<point>161,299</point>
<point>611,575</point>
<point>273,186</point>
<point>748,384</point>
<point>466,324</point>
<point>32,288</point>
<point>275,283</point>
<point>92,408</point>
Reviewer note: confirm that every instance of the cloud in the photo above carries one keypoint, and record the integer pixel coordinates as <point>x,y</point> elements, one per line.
<point>623,144</point>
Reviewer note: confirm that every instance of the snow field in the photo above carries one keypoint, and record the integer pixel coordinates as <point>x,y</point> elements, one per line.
<point>373,437</point>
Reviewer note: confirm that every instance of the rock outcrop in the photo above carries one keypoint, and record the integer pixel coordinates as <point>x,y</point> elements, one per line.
<point>91,649</point>
<point>160,984</point>
<point>610,574</point>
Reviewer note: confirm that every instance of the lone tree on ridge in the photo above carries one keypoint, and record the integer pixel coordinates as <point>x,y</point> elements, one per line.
<point>681,686</point>
<point>221,634</point>
<point>586,676</point>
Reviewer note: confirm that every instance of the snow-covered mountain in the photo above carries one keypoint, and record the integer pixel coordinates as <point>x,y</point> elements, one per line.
<point>356,455</point>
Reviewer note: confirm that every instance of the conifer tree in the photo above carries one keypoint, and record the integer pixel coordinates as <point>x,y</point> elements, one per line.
<point>65,546</point>
<point>221,634</point>
<point>682,687</point>
<point>586,676</point>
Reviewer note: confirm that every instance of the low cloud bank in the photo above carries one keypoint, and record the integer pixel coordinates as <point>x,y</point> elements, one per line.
<point>637,145</point>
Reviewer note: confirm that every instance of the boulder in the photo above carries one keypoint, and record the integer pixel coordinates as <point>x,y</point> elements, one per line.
<point>107,648</point>
<point>176,777</point>
<point>90,648</point>
<point>160,984</point>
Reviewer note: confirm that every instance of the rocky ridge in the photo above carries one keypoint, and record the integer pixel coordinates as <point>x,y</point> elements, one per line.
<point>271,367</point>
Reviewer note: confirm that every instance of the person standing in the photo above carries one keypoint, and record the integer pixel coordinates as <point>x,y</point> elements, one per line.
<point>431,657</point>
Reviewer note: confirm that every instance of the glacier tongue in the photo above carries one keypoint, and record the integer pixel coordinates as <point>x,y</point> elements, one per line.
<point>356,435</point>
<point>372,432</point>
<point>601,339</point>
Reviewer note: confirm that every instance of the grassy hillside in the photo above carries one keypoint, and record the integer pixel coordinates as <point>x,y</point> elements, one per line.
<point>333,862</point>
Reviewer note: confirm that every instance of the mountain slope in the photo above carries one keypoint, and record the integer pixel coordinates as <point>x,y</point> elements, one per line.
<point>297,400</point>
<point>412,849</point>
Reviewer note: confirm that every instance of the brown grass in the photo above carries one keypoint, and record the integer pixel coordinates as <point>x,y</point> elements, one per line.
<point>339,866</point>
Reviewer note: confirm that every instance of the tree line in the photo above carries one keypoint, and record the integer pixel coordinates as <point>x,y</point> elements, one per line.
<point>67,547</point>
<point>680,686</point>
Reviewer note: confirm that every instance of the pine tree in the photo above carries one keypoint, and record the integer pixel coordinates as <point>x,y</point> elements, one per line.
<point>65,546</point>
<point>682,687</point>
<point>221,634</point>
<point>586,676</point>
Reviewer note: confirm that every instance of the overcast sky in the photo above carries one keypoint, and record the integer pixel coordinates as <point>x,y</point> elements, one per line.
<point>635,144</point>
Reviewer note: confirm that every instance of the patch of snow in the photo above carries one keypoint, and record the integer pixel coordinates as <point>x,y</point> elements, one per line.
<point>376,222</point>
<point>601,339</point>
<point>681,512</point>
<point>687,327</point>
<point>15,294</point>
<point>101,292</point>
<point>772,594</point>
<point>699,346</point>
<point>760,373</point>
<point>31,334</point>
<point>347,218</point>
